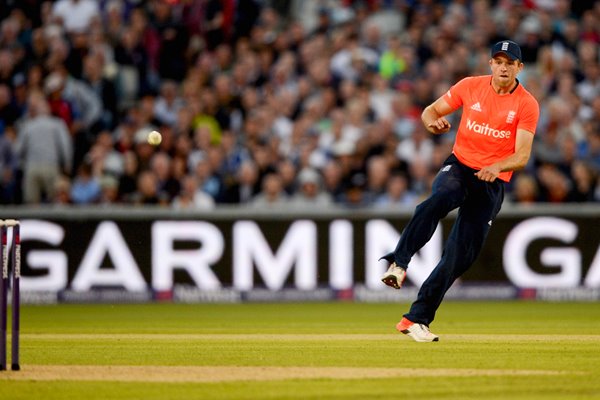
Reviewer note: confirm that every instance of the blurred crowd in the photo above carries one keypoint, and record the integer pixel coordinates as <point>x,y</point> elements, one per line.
<point>278,103</point>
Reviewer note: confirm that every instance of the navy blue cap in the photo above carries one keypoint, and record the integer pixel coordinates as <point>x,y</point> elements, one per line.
<point>509,48</point>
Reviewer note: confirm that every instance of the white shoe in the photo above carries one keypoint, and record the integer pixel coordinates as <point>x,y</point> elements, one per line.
<point>419,332</point>
<point>394,276</point>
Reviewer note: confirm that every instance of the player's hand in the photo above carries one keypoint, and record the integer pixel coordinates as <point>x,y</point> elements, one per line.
<point>488,174</point>
<point>440,125</point>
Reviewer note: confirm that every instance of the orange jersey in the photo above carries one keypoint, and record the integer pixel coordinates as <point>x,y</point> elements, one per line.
<point>488,126</point>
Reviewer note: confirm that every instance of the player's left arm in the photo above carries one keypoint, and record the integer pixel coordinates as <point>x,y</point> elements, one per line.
<point>516,161</point>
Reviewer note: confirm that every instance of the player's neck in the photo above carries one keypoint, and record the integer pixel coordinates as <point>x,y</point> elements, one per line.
<point>501,90</point>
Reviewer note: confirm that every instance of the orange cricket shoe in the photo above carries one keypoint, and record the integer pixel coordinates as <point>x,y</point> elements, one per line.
<point>418,332</point>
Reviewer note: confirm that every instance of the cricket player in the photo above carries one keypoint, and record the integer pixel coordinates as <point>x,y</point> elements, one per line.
<point>494,138</point>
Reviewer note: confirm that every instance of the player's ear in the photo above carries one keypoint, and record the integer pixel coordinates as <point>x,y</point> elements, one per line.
<point>521,66</point>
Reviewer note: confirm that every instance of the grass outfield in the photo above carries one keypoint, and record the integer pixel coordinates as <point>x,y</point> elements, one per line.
<point>487,350</point>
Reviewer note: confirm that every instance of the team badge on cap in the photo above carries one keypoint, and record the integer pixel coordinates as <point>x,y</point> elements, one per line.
<point>508,48</point>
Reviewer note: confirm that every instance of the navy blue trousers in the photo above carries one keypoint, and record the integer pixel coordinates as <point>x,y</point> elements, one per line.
<point>455,186</point>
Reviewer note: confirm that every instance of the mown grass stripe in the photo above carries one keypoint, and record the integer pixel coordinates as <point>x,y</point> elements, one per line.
<point>303,337</point>
<point>151,373</point>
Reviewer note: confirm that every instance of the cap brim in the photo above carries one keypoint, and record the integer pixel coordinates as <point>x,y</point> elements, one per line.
<point>510,56</point>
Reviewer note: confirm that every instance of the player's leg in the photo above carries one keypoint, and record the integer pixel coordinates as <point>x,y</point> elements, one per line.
<point>448,193</point>
<point>462,248</point>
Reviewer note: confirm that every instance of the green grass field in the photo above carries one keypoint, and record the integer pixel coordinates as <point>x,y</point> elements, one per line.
<point>487,350</point>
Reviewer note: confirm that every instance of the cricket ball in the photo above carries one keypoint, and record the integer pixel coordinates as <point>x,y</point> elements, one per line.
<point>154,138</point>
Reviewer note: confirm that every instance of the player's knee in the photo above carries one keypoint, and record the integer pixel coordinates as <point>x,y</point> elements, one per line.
<point>441,202</point>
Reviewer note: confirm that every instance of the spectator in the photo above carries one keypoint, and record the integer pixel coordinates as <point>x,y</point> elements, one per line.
<point>208,179</point>
<point>59,106</point>
<point>86,187</point>
<point>192,198</point>
<point>144,151</point>
<point>525,189</point>
<point>161,165</point>
<point>214,24</point>
<point>85,112</point>
<point>419,145</point>
<point>378,174</point>
<point>353,60</point>
<point>272,194</point>
<point>104,158</point>
<point>590,149</point>
<point>404,115</point>
<point>287,171</point>
<point>132,68</point>
<point>147,192</point>
<point>381,98</point>
<point>554,184</point>
<point>128,180</point>
<point>76,15</point>
<point>421,176</point>
<point>109,187</point>
<point>584,181</point>
<point>234,154</point>
<point>397,193</point>
<point>332,180</point>
<point>62,192</point>
<point>114,20</point>
<point>44,148</point>
<point>391,62</point>
<point>38,48</point>
<point>8,168</point>
<point>173,41</point>
<point>168,104</point>
<point>245,187</point>
<point>355,194</point>
<point>104,89</point>
<point>9,112</point>
<point>310,194</point>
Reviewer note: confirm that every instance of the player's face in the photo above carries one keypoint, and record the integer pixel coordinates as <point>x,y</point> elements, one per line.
<point>504,70</point>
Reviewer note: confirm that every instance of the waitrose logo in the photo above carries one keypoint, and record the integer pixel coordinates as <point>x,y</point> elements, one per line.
<point>486,130</point>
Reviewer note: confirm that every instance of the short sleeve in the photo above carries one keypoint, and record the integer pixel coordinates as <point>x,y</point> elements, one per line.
<point>455,95</point>
<point>530,114</point>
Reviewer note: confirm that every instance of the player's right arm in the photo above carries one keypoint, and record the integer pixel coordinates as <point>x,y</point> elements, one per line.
<point>433,116</point>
